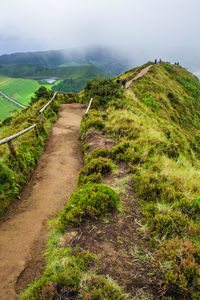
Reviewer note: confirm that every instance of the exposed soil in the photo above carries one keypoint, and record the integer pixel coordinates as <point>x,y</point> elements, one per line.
<point>23,229</point>
<point>97,140</point>
<point>131,82</point>
<point>119,242</point>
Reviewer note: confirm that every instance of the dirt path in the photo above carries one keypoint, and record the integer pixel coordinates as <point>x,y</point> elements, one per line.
<point>23,233</point>
<point>140,74</point>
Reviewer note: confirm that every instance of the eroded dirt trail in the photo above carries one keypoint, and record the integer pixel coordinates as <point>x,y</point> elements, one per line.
<point>130,83</point>
<point>23,232</point>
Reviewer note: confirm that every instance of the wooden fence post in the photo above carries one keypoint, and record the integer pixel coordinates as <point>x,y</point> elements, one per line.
<point>11,148</point>
<point>36,133</point>
<point>41,119</point>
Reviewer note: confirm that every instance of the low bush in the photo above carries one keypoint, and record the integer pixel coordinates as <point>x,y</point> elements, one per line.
<point>100,152</point>
<point>92,178</point>
<point>90,202</point>
<point>180,261</point>
<point>60,276</point>
<point>152,186</point>
<point>94,120</point>
<point>169,224</point>
<point>102,90</point>
<point>93,170</point>
<point>98,287</point>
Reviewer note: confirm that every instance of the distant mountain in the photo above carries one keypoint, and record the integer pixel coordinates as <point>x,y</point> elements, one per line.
<point>37,72</point>
<point>100,57</point>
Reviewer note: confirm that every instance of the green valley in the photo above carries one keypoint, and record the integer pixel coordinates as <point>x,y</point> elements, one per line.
<point>70,79</point>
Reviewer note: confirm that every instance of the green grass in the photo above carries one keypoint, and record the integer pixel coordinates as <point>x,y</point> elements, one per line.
<point>20,89</point>
<point>7,108</point>
<point>156,126</point>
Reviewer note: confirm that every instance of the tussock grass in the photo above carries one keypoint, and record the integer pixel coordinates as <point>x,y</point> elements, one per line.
<point>157,126</point>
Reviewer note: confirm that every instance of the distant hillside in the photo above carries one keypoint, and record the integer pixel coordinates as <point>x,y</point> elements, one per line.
<point>70,79</point>
<point>96,56</point>
<point>36,72</point>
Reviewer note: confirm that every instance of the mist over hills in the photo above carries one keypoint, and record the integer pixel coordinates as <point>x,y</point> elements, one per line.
<point>103,58</point>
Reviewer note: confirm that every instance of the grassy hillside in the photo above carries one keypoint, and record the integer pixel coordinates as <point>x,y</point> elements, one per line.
<point>20,89</point>
<point>76,78</point>
<point>7,108</point>
<point>143,143</point>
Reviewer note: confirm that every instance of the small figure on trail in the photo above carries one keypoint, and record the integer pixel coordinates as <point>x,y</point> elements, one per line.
<point>156,61</point>
<point>160,61</point>
<point>118,80</point>
<point>124,83</point>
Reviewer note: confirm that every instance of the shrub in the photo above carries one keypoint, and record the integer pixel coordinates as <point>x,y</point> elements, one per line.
<point>90,202</point>
<point>180,261</point>
<point>119,152</point>
<point>98,287</point>
<point>100,152</point>
<point>152,186</point>
<point>59,276</point>
<point>92,178</point>
<point>187,207</point>
<point>93,170</point>
<point>42,92</point>
<point>102,90</point>
<point>93,120</point>
<point>169,224</point>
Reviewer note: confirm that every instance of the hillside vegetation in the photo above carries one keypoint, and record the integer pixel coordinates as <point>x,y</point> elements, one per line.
<point>28,147</point>
<point>143,145</point>
<point>38,72</point>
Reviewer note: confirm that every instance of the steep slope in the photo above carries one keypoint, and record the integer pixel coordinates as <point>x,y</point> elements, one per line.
<point>143,142</point>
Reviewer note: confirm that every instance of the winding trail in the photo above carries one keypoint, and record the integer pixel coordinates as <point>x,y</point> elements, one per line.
<point>131,82</point>
<point>23,229</point>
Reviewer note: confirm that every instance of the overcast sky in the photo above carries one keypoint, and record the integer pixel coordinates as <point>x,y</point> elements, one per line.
<point>141,29</point>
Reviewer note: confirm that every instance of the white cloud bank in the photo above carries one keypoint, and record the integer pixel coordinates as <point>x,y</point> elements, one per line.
<point>143,29</point>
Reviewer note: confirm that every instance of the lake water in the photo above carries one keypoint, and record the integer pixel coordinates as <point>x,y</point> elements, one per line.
<point>50,80</point>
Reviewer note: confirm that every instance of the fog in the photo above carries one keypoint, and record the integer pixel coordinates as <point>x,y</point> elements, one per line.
<point>140,29</point>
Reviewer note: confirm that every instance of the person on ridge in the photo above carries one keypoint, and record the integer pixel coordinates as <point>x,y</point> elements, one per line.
<point>124,83</point>
<point>118,80</point>
<point>156,61</point>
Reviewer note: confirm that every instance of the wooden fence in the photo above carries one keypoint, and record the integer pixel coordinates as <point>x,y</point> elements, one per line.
<point>46,105</point>
<point>12,137</point>
<point>9,139</point>
<point>90,103</point>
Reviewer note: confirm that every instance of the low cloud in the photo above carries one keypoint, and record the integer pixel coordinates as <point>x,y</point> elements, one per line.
<point>140,29</point>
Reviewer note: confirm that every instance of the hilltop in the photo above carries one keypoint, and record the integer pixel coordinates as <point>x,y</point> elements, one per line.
<point>131,229</point>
